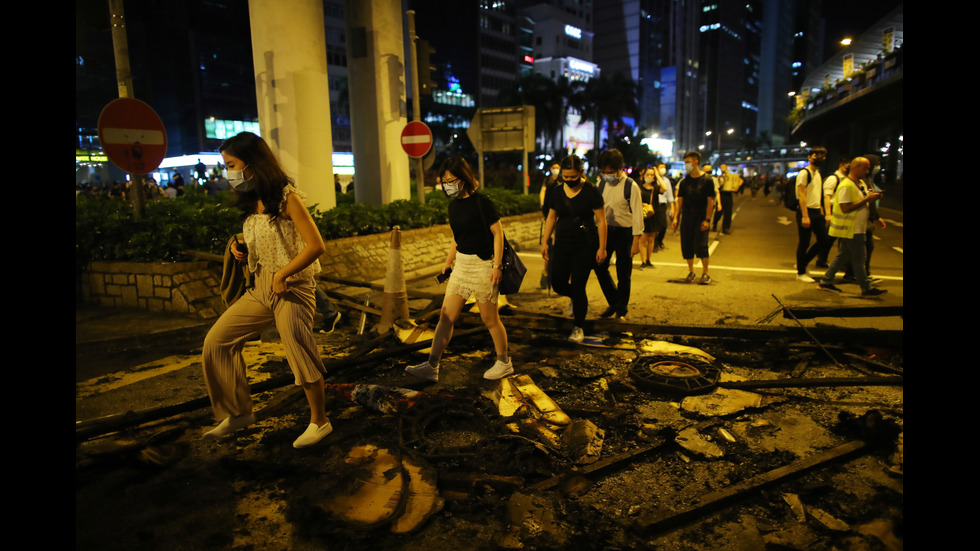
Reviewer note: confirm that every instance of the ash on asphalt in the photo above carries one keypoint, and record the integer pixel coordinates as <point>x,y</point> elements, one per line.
<point>158,485</point>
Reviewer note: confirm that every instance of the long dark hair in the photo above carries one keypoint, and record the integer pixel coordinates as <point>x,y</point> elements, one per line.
<point>269,177</point>
<point>458,167</point>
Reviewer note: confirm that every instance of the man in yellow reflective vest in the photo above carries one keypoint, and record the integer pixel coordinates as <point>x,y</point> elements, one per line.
<point>849,222</point>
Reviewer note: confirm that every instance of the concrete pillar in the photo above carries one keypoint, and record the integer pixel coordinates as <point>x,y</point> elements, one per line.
<point>376,84</point>
<point>289,53</point>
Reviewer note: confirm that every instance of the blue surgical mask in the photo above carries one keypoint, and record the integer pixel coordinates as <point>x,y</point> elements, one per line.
<point>610,178</point>
<point>237,181</point>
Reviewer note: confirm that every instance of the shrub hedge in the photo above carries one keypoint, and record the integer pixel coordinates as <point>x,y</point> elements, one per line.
<point>106,229</point>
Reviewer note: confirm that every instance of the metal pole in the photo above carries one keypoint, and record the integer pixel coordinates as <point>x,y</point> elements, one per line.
<point>416,104</point>
<point>124,81</point>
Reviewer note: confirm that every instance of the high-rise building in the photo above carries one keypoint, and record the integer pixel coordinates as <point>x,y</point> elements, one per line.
<point>730,58</point>
<point>778,70</point>
<point>334,34</point>
<point>562,52</point>
<point>484,41</point>
<point>190,61</point>
<point>655,43</point>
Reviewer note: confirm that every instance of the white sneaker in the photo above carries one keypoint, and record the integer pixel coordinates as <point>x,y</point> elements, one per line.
<point>499,370</point>
<point>577,335</point>
<point>424,370</point>
<point>230,425</point>
<point>805,278</point>
<point>313,434</point>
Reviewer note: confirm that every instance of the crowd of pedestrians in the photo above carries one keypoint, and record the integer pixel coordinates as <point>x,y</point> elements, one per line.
<point>585,225</point>
<point>211,183</point>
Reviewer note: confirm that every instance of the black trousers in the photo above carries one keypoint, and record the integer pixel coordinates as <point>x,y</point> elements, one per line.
<point>818,228</point>
<point>570,262</point>
<point>619,241</point>
<point>727,203</point>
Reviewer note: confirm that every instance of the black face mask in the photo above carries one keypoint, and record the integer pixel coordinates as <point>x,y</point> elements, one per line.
<point>573,183</point>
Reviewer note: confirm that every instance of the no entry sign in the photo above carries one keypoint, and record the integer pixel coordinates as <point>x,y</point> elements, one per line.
<point>132,135</point>
<point>416,139</point>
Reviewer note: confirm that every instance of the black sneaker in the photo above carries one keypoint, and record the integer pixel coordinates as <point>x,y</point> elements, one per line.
<point>829,287</point>
<point>873,292</point>
<point>690,277</point>
<point>608,313</point>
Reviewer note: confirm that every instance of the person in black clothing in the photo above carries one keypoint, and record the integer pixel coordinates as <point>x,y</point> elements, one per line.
<point>653,213</point>
<point>578,219</point>
<point>695,205</point>
<point>552,180</point>
<point>474,267</point>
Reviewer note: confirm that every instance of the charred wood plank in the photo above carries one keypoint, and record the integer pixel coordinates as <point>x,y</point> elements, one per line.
<point>810,312</point>
<point>760,333</point>
<point>815,382</point>
<point>712,501</point>
<point>379,287</point>
<point>95,427</point>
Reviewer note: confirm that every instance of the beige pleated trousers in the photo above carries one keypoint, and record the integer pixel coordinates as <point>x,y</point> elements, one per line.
<point>224,366</point>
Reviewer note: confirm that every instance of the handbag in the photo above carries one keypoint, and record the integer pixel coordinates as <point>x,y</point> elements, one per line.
<point>512,268</point>
<point>512,272</point>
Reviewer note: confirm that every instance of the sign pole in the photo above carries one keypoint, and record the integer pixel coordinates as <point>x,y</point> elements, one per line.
<point>124,80</point>
<point>416,104</point>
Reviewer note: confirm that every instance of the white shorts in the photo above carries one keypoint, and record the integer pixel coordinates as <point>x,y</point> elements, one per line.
<point>471,276</point>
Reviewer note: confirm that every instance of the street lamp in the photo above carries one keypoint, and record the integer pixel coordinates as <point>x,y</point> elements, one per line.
<point>730,131</point>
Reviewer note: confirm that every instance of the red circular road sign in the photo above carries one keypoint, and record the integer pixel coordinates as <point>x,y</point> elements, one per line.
<point>132,135</point>
<point>416,139</point>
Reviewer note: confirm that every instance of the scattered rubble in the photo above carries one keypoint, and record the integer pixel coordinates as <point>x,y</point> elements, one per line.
<point>628,443</point>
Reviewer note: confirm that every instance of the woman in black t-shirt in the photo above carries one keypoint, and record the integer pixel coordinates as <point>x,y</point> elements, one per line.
<point>578,219</point>
<point>474,268</point>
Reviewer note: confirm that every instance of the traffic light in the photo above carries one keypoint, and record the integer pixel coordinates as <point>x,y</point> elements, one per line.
<point>424,55</point>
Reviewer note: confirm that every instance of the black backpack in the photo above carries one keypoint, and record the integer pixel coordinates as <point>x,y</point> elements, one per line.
<point>790,199</point>
<point>627,191</point>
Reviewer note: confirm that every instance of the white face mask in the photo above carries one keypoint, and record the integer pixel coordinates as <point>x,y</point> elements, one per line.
<point>688,167</point>
<point>451,189</point>
<point>237,181</point>
<point>663,171</point>
<point>610,178</point>
<point>555,171</point>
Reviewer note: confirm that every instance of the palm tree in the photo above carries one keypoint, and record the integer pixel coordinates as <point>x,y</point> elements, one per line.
<point>543,93</point>
<point>607,100</point>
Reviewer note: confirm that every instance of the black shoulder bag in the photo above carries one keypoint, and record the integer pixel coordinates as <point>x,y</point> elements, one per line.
<point>512,269</point>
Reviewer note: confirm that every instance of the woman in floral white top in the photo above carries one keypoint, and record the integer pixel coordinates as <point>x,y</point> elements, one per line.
<point>282,246</point>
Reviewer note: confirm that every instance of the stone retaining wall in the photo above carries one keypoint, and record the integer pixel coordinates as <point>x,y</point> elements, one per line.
<point>193,288</point>
<point>178,287</point>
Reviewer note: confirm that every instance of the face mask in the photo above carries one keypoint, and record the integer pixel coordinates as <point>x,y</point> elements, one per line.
<point>237,181</point>
<point>610,178</point>
<point>573,183</point>
<point>452,190</point>
<point>554,172</point>
<point>663,171</point>
<point>688,167</point>
<point>875,171</point>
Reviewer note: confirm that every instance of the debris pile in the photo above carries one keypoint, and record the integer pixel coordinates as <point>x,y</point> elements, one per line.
<point>635,437</point>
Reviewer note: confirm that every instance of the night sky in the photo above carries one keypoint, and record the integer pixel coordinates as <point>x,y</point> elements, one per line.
<point>850,18</point>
